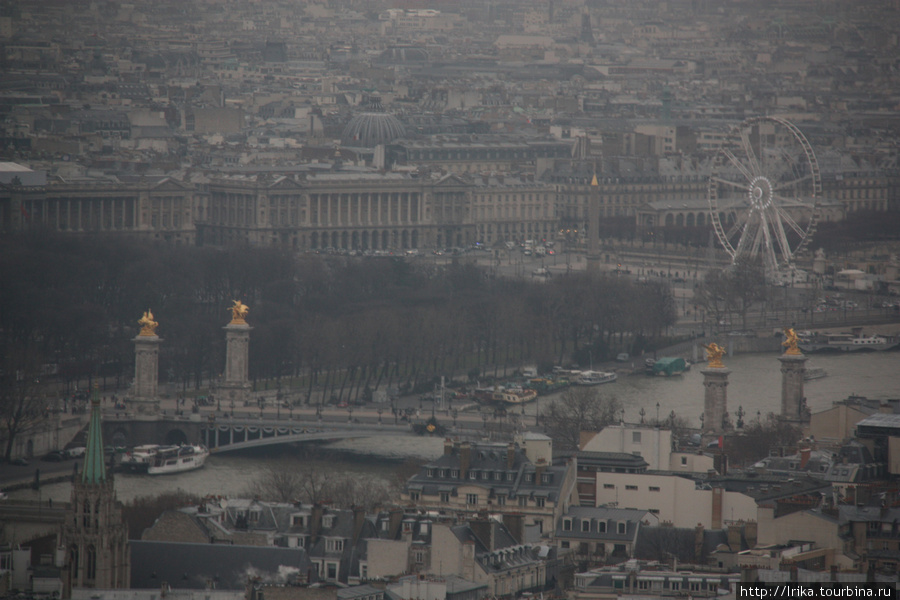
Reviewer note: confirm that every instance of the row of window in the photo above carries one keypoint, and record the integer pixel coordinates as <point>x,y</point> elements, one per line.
<point>485,475</point>
<point>594,525</point>
<point>473,499</point>
<point>630,488</point>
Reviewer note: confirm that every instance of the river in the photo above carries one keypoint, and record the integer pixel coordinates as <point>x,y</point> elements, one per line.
<point>754,384</point>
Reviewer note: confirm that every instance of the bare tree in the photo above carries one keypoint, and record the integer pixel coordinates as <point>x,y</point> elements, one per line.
<point>578,409</point>
<point>21,406</point>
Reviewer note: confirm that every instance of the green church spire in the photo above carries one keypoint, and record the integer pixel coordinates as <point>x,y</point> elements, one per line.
<point>94,463</point>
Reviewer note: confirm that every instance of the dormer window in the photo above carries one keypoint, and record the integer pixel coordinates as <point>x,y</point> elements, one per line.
<point>328,521</point>
<point>620,527</point>
<point>298,520</point>
<point>585,525</point>
<point>429,472</point>
<point>485,474</point>
<point>473,475</point>
<point>567,525</point>
<point>546,478</point>
<point>454,473</point>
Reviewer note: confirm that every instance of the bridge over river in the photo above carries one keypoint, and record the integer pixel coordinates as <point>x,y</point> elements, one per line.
<point>226,434</point>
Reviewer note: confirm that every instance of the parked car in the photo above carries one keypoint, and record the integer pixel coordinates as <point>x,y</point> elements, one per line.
<point>20,462</point>
<point>55,456</point>
<point>75,452</point>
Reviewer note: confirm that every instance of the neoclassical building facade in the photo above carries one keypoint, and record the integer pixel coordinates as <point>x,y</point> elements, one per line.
<point>315,207</point>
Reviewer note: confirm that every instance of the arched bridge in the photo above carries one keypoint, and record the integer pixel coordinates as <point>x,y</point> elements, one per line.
<point>230,435</point>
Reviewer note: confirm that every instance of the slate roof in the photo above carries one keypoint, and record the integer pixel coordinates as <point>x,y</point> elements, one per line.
<point>577,514</point>
<point>192,566</point>
<point>489,460</point>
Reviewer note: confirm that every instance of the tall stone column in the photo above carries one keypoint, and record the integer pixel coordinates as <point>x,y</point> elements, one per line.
<point>144,396</point>
<point>793,368</point>
<point>715,399</point>
<point>234,390</point>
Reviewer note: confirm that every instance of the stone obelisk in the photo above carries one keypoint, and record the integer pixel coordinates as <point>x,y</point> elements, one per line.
<point>793,369</point>
<point>234,390</point>
<point>715,398</point>
<point>143,397</point>
<point>593,228</point>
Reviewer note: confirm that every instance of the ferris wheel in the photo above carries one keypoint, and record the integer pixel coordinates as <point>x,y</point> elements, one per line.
<point>764,192</point>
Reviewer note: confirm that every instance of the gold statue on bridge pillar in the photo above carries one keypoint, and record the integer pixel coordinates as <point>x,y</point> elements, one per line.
<point>148,325</point>
<point>714,354</point>
<point>790,342</point>
<point>239,310</point>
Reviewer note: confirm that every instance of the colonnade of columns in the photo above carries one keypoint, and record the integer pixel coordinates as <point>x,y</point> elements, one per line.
<point>365,208</point>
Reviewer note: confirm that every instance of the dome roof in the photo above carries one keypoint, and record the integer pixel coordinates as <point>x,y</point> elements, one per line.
<point>372,128</point>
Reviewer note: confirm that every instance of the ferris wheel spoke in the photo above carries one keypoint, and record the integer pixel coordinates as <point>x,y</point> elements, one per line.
<point>781,200</point>
<point>771,259</point>
<point>778,222</point>
<point>749,153</point>
<point>790,184</point>
<point>739,223</point>
<point>749,231</point>
<point>741,185</point>
<point>785,217</point>
<point>740,167</point>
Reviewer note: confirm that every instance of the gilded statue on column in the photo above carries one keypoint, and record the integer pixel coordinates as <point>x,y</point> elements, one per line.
<point>239,311</point>
<point>790,342</point>
<point>148,325</point>
<point>714,354</point>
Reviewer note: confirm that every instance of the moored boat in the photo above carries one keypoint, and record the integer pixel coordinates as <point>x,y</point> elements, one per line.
<point>846,342</point>
<point>176,459</point>
<point>546,385</point>
<point>139,458</point>
<point>595,377</point>
<point>667,366</point>
<point>811,373</point>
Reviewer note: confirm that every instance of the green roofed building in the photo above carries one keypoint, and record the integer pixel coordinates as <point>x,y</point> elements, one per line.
<point>94,533</point>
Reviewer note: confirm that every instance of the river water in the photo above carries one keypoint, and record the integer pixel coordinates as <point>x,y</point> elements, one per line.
<point>754,384</point>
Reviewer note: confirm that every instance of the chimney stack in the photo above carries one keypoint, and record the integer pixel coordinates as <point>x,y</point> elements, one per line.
<point>359,517</point>
<point>448,447</point>
<point>510,455</point>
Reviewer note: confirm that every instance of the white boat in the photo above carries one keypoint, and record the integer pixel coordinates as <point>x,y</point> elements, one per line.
<point>139,458</point>
<point>175,459</point>
<point>595,377</point>
<point>846,342</point>
<point>811,373</point>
